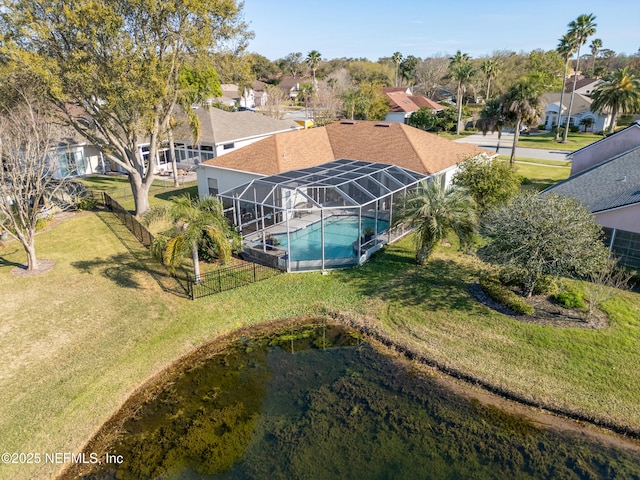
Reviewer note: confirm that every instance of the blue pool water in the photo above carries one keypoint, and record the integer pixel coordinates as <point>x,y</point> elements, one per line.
<point>339,234</point>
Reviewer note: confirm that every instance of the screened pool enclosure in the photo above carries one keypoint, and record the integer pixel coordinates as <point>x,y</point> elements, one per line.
<point>328,216</point>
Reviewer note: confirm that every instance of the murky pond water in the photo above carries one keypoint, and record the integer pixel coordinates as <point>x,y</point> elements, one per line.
<point>316,403</point>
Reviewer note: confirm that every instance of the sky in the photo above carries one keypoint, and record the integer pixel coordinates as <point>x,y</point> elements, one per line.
<point>374,29</point>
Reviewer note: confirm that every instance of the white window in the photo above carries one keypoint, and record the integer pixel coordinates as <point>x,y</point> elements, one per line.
<point>213,186</point>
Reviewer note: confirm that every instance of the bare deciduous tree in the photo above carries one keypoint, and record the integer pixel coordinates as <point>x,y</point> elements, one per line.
<point>429,75</point>
<point>27,137</point>
<point>276,98</point>
<point>606,282</point>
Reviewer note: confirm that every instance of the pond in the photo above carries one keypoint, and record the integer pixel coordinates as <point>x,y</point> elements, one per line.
<point>319,403</point>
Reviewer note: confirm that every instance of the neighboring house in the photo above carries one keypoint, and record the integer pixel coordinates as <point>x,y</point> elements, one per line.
<point>581,109</point>
<point>598,152</point>
<point>260,96</point>
<point>221,132</point>
<point>291,86</point>
<point>378,142</point>
<point>402,104</point>
<point>584,86</point>
<point>606,179</point>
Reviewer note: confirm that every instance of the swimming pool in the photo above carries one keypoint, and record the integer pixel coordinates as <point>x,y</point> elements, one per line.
<point>340,232</point>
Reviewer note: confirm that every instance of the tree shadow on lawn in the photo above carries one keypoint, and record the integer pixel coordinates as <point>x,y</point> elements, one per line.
<point>138,259</point>
<point>393,276</point>
<point>192,191</point>
<point>8,263</point>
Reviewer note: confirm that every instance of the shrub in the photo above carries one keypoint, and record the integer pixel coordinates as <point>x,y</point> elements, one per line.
<point>87,203</point>
<point>542,126</point>
<point>570,299</point>
<point>546,286</point>
<point>500,293</point>
<point>43,222</point>
<point>574,128</point>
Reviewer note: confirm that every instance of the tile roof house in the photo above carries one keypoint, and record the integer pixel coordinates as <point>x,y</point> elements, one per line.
<point>581,109</point>
<point>291,86</point>
<point>378,142</point>
<point>402,104</point>
<point>607,181</point>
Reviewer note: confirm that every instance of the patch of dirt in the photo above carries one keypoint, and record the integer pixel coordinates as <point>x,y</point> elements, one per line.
<point>44,266</point>
<point>546,312</point>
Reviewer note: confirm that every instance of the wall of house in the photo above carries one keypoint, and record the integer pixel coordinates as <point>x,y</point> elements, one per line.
<point>621,142</point>
<point>221,150</point>
<point>627,218</point>
<point>225,179</point>
<point>398,117</point>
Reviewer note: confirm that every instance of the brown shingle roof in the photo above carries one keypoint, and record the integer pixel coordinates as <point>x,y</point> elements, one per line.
<point>401,102</point>
<point>389,143</point>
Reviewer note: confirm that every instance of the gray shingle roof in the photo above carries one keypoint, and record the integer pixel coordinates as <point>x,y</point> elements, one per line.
<point>615,183</point>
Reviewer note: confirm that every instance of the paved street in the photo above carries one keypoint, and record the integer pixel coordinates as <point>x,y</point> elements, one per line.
<point>491,140</point>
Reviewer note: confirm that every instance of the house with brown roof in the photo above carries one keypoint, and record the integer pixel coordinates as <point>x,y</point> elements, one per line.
<point>291,86</point>
<point>378,142</point>
<point>402,104</point>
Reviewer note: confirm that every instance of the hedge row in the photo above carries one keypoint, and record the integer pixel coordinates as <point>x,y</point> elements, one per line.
<point>502,294</point>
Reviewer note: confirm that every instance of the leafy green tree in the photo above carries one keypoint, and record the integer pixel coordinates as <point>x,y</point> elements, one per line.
<point>522,106</point>
<point>462,72</point>
<point>587,123</point>
<point>112,69</point>
<point>368,72</point>
<point>424,119</point>
<point>408,68</point>
<point>565,48</point>
<point>366,102</point>
<point>397,60</point>
<point>261,67</point>
<point>292,64</point>
<point>619,93</point>
<point>491,183</point>
<point>579,29</point>
<point>195,221</point>
<point>544,234</point>
<point>434,212</point>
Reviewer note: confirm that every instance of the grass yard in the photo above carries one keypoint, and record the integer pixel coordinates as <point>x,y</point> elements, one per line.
<point>546,141</point>
<point>541,173</point>
<point>118,187</point>
<point>103,321</point>
<point>107,318</point>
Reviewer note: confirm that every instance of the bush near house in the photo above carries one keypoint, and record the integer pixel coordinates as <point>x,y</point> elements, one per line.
<point>500,293</point>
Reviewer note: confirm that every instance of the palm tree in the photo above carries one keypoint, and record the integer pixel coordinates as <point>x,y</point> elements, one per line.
<point>397,59</point>
<point>492,119</point>
<point>460,70</point>
<point>619,93</point>
<point>313,59</point>
<point>580,29</point>
<point>596,45</point>
<point>522,105</point>
<point>304,93</point>
<point>194,222</point>
<point>490,69</point>
<point>434,211</point>
<point>565,48</point>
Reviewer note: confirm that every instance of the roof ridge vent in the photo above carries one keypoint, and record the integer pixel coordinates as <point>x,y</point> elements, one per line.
<point>347,122</point>
<point>380,124</point>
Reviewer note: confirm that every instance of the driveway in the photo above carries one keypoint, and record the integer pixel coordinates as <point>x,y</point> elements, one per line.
<point>490,140</point>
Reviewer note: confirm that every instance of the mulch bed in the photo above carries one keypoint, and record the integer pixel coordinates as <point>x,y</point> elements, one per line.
<point>546,312</point>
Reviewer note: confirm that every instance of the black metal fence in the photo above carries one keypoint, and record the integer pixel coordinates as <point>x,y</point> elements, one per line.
<point>228,278</point>
<point>139,231</point>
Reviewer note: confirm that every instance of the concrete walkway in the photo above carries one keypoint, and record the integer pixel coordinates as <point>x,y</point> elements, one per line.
<point>490,141</point>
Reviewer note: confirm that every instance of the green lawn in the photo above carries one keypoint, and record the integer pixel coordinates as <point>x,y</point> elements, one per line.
<point>105,319</point>
<point>546,141</point>
<point>540,174</point>
<point>119,188</point>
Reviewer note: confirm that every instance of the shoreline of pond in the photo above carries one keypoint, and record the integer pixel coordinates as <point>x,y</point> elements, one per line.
<point>458,382</point>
